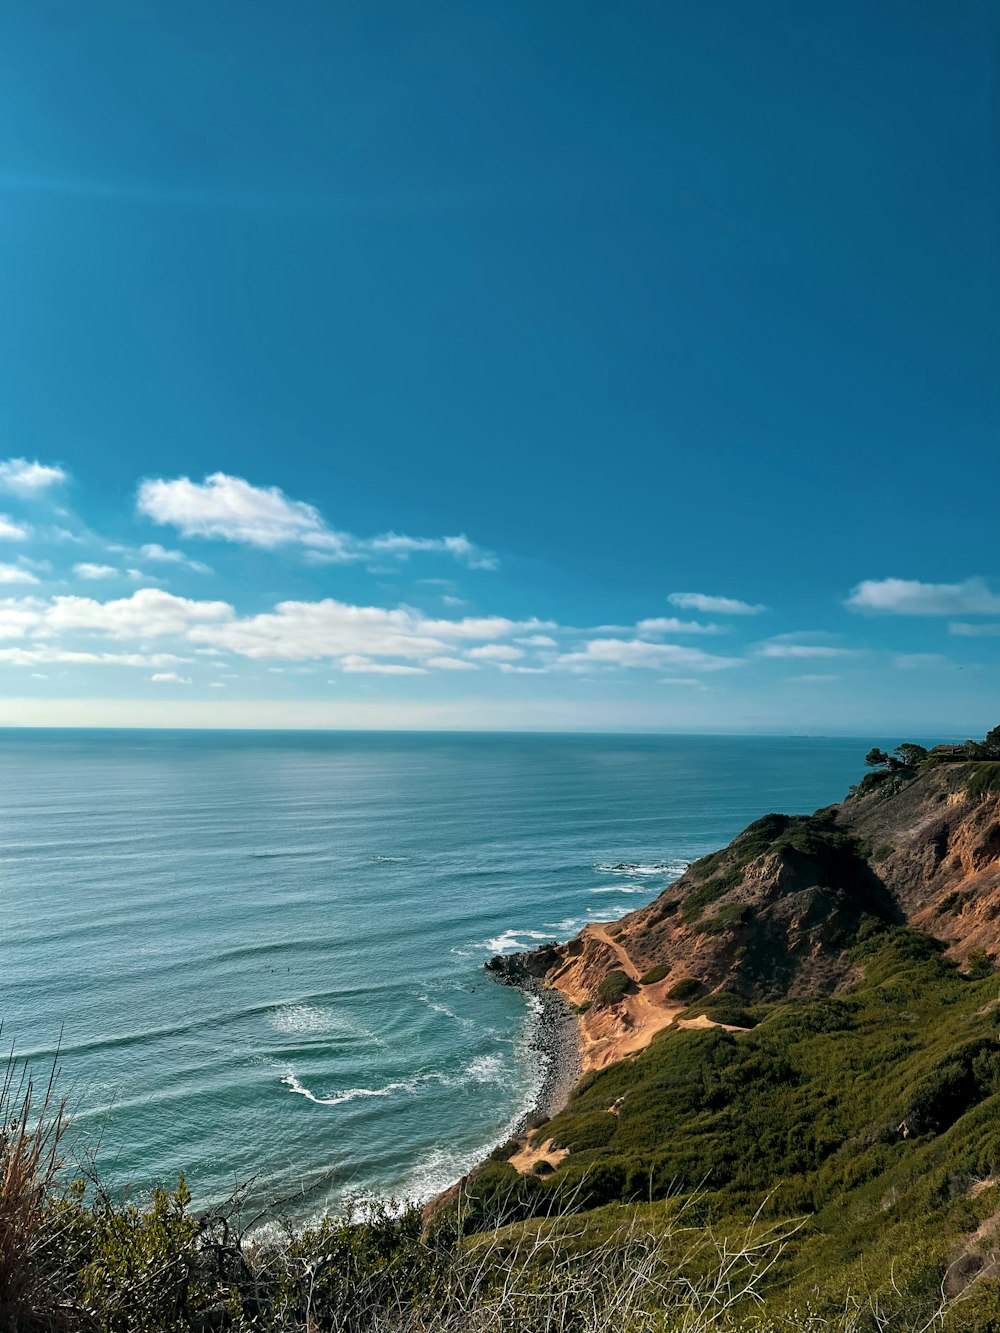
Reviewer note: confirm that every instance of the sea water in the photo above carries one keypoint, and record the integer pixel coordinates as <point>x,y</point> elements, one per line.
<point>260,955</point>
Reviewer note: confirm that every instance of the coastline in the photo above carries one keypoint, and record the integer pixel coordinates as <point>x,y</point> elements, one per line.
<point>556,1036</point>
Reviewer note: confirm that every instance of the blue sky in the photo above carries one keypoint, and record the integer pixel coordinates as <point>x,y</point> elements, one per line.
<point>500,365</point>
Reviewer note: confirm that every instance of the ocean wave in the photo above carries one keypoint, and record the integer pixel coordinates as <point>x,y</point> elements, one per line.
<point>484,1069</point>
<point>641,868</point>
<point>350,1094</point>
<point>622,888</point>
<point>438,1168</point>
<point>440,1008</point>
<point>388,860</point>
<point>512,940</point>
<point>269,855</point>
<point>569,925</point>
<point>304,1019</point>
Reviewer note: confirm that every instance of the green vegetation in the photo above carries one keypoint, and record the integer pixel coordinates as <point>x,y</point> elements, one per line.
<point>655,974</point>
<point>685,989</point>
<point>882,1103</point>
<point>829,1165</point>
<point>615,986</point>
<point>983,779</point>
<point>726,919</point>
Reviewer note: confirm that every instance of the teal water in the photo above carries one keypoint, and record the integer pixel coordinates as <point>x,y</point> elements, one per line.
<point>264,950</point>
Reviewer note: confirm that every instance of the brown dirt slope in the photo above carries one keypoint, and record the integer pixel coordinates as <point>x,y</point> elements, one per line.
<point>775,913</point>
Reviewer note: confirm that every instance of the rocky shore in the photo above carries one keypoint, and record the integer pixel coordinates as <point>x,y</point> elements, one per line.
<point>556,1036</point>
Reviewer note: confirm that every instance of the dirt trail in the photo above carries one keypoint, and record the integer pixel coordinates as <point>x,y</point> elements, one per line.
<point>600,932</point>
<point>611,1032</point>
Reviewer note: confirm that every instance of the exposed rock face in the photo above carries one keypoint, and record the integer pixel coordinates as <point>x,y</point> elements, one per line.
<point>937,850</point>
<point>775,912</point>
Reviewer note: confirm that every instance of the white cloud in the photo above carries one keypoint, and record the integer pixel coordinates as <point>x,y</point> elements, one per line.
<point>85,570</point>
<point>231,509</point>
<point>147,613</point>
<point>18,615</point>
<point>11,531</point>
<point>777,648</point>
<point>451,664</point>
<point>217,685</point>
<point>682,680</point>
<point>170,678</point>
<point>909,597</point>
<point>37,656</point>
<point>496,652</point>
<point>669,625</point>
<point>154,551</point>
<point>460,547</point>
<point>511,670</point>
<point>28,479</point>
<point>920,661</point>
<point>538,641</point>
<point>719,606</point>
<point>640,653</point>
<point>298,631</point>
<point>16,574</point>
<point>966,631</point>
<point>355,664</point>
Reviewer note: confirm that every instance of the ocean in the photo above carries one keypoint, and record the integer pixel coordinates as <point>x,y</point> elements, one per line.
<point>260,954</point>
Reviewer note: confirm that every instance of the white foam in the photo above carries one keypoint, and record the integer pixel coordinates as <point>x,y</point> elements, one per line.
<point>640,868</point>
<point>439,1168</point>
<point>487,1069</point>
<point>622,888</point>
<point>570,925</point>
<point>301,1018</point>
<point>512,940</point>
<point>350,1094</point>
<point>443,1009</point>
<point>295,1020</point>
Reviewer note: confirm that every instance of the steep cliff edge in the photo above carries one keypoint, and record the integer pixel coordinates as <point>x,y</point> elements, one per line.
<point>775,914</point>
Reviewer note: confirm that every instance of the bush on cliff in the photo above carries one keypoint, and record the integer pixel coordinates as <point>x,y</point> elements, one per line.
<point>615,986</point>
<point>685,989</point>
<point>655,974</point>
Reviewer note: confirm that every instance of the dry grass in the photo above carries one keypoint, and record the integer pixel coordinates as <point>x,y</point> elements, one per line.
<point>31,1128</point>
<point>72,1266</point>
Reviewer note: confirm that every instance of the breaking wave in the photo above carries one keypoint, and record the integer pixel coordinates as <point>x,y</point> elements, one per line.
<point>641,868</point>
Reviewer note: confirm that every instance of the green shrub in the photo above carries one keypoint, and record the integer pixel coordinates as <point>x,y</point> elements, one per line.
<point>614,987</point>
<point>655,974</point>
<point>983,779</point>
<point>978,964</point>
<point>726,919</point>
<point>685,989</point>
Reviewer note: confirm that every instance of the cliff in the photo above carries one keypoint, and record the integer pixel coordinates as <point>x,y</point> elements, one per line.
<point>776,913</point>
<point>803,1030</point>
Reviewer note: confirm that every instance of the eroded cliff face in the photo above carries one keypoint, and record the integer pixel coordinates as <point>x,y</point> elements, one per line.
<point>937,850</point>
<point>775,913</point>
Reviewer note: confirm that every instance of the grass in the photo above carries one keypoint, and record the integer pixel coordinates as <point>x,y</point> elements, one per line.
<point>655,974</point>
<point>983,779</point>
<point>615,986</point>
<point>870,1115</point>
<point>31,1130</point>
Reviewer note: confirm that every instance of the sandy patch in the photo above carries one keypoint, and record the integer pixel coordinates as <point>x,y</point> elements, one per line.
<point>527,1157</point>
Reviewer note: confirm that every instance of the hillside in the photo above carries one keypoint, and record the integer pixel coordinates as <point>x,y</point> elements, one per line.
<point>789,1122</point>
<point>805,1024</point>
